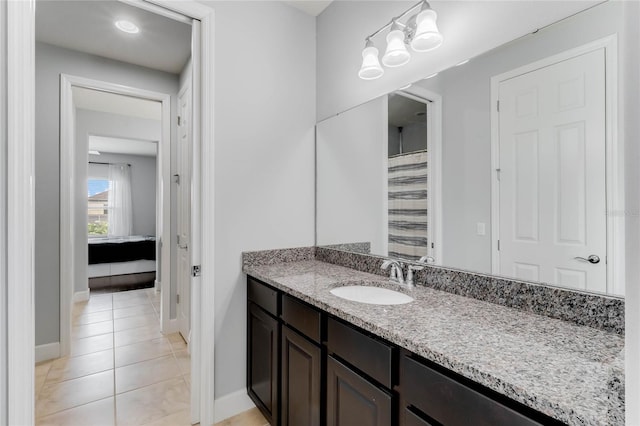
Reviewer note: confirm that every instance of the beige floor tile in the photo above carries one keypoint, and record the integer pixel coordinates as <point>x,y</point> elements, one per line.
<point>184,361</point>
<point>177,342</point>
<point>71,368</point>
<point>95,304</point>
<point>251,417</point>
<point>98,413</point>
<point>142,351</point>
<point>181,418</point>
<point>56,397</point>
<point>93,318</point>
<point>152,403</point>
<point>146,373</point>
<point>136,335</point>
<point>91,344</point>
<point>134,322</point>
<point>131,301</point>
<point>94,329</point>
<point>41,372</point>
<point>133,311</point>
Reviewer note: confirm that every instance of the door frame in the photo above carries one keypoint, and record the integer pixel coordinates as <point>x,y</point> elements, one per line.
<point>614,162</point>
<point>187,86</point>
<point>433,102</point>
<point>69,155</point>
<point>20,207</point>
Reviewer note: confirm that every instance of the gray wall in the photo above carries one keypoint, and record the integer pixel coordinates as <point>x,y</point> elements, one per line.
<point>466,131</point>
<point>51,61</point>
<point>264,148</point>
<point>414,138</point>
<point>3,218</point>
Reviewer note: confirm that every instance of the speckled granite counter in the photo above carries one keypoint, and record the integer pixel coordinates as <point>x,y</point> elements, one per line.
<point>569,372</point>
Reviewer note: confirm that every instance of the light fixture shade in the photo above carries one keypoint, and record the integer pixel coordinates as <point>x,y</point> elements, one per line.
<point>427,36</point>
<point>370,69</point>
<point>396,54</point>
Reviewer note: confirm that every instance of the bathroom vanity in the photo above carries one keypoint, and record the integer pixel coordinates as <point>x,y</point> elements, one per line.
<point>314,358</point>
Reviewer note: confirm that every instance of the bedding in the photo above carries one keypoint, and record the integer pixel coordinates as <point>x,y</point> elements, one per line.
<point>121,249</point>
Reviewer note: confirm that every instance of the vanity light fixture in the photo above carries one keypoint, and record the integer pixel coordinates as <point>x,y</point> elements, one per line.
<point>127,26</point>
<point>420,32</point>
<point>371,68</point>
<point>396,54</point>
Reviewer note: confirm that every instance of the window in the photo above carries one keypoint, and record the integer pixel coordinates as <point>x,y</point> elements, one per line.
<point>98,207</point>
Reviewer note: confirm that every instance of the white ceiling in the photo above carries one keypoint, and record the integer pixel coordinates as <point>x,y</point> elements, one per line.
<point>104,144</point>
<point>311,7</point>
<point>88,26</point>
<point>96,100</point>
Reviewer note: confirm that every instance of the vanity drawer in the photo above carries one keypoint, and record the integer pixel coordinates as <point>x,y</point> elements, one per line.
<point>302,317</point>
<point>369,355</point>
<point>450,402</point>
<point>262,295</point>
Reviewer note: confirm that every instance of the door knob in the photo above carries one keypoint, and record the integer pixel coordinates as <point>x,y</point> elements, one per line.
<point>591,259</point>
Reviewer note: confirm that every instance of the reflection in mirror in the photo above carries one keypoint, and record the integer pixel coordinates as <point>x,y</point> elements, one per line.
<point>510,164</point>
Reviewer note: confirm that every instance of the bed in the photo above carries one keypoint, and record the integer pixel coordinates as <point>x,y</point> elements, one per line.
<point>123,262</point>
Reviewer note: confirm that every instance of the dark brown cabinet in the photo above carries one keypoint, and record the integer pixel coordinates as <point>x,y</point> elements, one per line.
<point>308,368</point>
<point>262,361</point>
<point>353,400</point>
<point>301,380</point>
<point>263,348</point>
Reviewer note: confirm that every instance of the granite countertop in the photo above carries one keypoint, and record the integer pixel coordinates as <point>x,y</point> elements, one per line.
<point>572,373</point>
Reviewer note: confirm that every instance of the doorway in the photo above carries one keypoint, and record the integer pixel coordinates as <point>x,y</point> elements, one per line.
<point>556,229</point>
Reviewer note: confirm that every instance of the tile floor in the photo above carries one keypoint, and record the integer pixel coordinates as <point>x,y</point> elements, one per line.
<point>122,370</point>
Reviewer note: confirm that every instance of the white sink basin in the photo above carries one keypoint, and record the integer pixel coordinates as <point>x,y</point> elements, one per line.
<point>371,295</point>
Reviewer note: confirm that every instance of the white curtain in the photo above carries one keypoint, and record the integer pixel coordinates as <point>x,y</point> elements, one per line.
<point>120,209</point>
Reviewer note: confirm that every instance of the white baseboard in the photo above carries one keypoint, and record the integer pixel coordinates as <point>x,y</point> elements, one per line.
<point>172,326</point>
<point>232,404</point>
<point>47,352</point>
<point>81,296</point>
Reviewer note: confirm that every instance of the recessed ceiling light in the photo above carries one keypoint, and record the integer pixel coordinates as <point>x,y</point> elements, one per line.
<point>405,87</point>
<point>431,76</point>
<point>127,27</point>
<point>463,62</point>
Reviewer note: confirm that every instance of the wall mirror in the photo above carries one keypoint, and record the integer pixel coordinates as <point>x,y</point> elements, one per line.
<point>510,164</point>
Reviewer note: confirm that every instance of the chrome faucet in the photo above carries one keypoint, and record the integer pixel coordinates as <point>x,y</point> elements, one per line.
<point>395,274</point>
<point>411,269</point>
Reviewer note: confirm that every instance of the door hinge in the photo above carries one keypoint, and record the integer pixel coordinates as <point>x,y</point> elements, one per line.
<point>433,245</point>
<point>176,178</point>
<point>179,120</point>
<point>498,174</point>
<point>498,245</point>
<point>498,106</point>
<point>177,298</point>
<point>195,270</point>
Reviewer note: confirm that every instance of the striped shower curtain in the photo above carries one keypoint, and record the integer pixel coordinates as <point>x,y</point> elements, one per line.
<point>408,205</point>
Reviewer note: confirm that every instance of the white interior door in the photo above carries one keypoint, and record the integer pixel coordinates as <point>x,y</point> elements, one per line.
<point>184,211</point>
<point>552,188</point>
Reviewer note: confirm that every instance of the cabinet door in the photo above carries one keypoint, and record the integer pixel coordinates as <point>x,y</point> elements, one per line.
<point>352,400</point>
<point>262,361</point>
<point>301,380</point>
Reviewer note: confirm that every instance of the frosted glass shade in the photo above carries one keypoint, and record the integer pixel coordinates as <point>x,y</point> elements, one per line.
<point>370,69</point>
<point>396,54</point>
<point>427,36</point>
